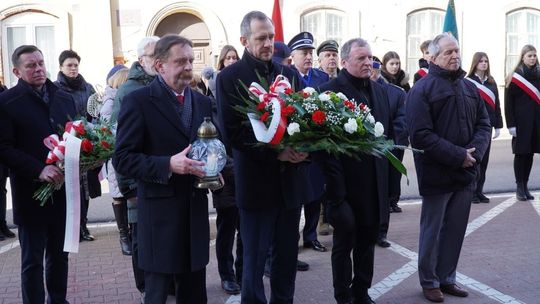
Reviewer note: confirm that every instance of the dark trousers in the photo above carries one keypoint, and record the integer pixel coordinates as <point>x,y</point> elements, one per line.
<point>190,287</point>
<point>260,229</point>
<point>394,192</point>
<point>482,174</point>
<point>351,236</point>
<point>137,272</point>
<point>522,167</point>
<point>443,223</point>
<point>227,222</point>
<point>312,211</point>
<point>3,193</point>
<point>37,240</point>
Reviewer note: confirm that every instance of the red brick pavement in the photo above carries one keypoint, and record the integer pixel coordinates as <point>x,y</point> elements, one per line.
<point>502,254</point>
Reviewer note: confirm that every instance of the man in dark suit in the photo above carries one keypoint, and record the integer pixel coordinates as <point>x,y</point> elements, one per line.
<point>357,189</point>
<point>302,47</point>
<point>270,186</point>
<point>156,125</point>
<point>32,110</point>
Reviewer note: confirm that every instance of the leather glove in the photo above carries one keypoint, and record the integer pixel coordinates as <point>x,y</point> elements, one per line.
<point>497,133</point>
<point>512,131</point>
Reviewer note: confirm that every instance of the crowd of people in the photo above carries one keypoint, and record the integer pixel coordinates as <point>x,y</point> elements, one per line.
<point>157,105</point>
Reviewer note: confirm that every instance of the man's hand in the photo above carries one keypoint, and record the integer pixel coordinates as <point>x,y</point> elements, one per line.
<point>181,164</point>
<point>497,133</point>
<point>292,155</point>
<point>512,131</point>
<point>469,159</point>
<point>51,174</point>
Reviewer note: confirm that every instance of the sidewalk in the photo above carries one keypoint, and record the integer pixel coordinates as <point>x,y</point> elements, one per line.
<point>500,262</point>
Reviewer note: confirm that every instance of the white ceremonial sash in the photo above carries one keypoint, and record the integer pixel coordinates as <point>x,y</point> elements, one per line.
<point>487,95</point>
<point>526,86</point>
<point>73,193</point>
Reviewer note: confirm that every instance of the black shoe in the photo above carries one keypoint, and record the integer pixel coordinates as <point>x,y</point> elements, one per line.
<point>4,230</point>
<point>302,266</point>
<point>85,235</point>
<point>383,242</point>
<point>315,245</point>
<point>2,237</point>
<point>520,192</point>
<point>230,287</point>
<point>475,199</point>
<point>527,193</point>
<point>394,208</point>
<point>482,198</point>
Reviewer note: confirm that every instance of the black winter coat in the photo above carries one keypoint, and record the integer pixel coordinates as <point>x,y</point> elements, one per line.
<point>446,116</point>
<point>522,112</point>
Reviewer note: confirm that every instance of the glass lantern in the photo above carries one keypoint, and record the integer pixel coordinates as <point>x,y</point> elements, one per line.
<point>210,150</point>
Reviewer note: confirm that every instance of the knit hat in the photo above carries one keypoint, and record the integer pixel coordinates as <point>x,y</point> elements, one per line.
<point>115,69</point>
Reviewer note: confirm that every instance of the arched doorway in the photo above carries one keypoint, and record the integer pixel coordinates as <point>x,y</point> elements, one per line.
<point>193,28</point>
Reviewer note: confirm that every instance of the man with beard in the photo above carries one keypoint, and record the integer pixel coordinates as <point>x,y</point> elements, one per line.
<point>270,185</point>
<point>156,125</point>
<point>328,57</point>
<point>357,189</point>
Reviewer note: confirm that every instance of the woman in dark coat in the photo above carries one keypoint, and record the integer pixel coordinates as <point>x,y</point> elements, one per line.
<point>522,112</point>
<point>391,71</point>
<point>480,75</point>
<point>72,82</point>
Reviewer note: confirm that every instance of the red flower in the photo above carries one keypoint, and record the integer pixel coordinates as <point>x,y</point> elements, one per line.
<point>362,106</point>
<point>79,128</point>
<point>87,146</point>
<point>288,91</point>
<point>261,106</point>
<point>318,117</point>
<point>349,104</point>
<point>305,94</point>
<point>288,110</point>
<point>105,144</point>
<point>265,116</point>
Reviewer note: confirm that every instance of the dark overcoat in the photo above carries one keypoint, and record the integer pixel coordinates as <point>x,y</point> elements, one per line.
<point>173,229</point>
<point>25,120</point>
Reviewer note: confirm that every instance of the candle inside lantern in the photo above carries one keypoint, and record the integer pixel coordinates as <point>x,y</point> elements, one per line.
<point>211,164</point>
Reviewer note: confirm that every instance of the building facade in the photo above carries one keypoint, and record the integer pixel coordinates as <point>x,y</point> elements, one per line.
<point>105,32</point>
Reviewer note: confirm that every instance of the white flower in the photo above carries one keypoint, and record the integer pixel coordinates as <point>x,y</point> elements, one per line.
<point>324,97</point>
<point>309,90</point>
<point>293,128</point>
<point>341,96</point>
<point>379,129</point>
<point>370,118</point>
<point>351,126</point>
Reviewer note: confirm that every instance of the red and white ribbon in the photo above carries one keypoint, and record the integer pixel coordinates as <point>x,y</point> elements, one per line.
<point>57,147</point>
<point>73,194</point>
<point>423,72</point>
<point>275,131</point>
<point>487,95</point>
<point>526,86</point>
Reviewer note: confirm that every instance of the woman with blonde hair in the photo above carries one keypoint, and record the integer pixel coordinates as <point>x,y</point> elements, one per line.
<point>117,76</point>
<point>480,75</point>
<point>227,56</point>
<point>522,112</point>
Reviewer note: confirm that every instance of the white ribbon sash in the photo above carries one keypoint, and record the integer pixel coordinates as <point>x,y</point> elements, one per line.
<point>73,193</point>
<point>487,95</point>
<point>526,86</point>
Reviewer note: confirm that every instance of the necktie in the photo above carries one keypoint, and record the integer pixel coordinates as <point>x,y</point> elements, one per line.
<point>180,98</point>
<point>306,77</point>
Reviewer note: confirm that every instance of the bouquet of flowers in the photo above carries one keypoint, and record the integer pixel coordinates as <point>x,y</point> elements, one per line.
<point>308,121</point>
<point>97,146</point>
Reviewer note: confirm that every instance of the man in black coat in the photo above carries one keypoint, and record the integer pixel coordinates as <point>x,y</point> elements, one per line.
<point>269,185</point>
<point>447,119</point>
<point>357,189</point>
<point>156,125</point>
<point>29,112</point>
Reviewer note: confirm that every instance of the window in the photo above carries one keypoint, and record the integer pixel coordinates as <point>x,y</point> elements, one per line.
<point>522,27</point>
<point>30,28</point>
<point>324,24</point>
<point>421,26</point>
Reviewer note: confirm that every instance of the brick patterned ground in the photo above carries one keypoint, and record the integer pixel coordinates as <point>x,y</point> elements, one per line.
<point>503,254</point>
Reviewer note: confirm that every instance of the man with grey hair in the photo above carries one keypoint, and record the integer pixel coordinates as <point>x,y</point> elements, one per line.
<point>270,185</point>
<point>141,74</point>
<point>447,119</point>
<point>173,229</point>
<point>357,204</point>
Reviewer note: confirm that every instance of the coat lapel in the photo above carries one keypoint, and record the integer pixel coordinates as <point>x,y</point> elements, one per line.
<point>158,96</point>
